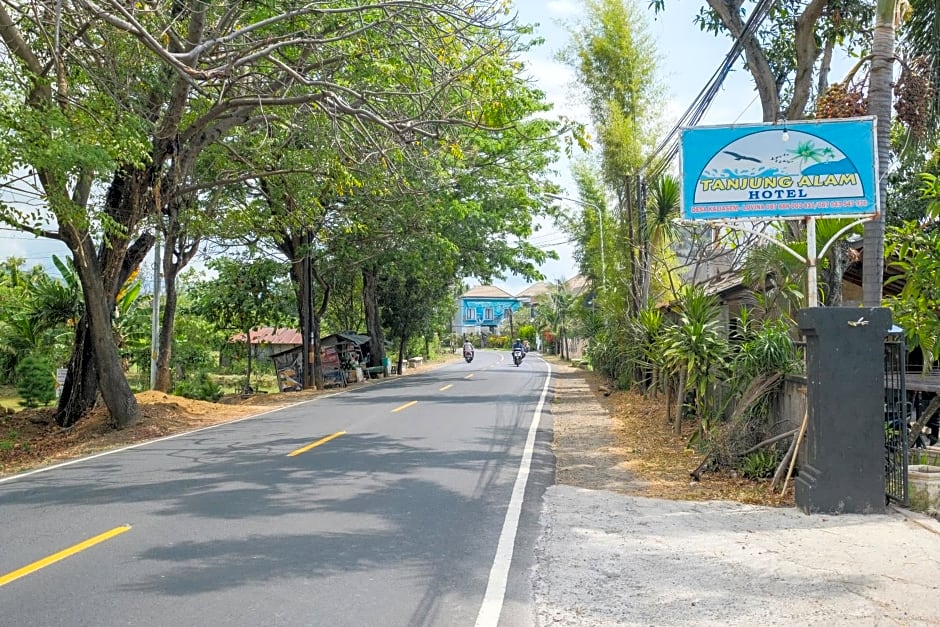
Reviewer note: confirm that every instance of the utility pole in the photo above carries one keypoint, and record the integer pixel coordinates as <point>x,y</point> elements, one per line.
<point>512,334</point>
<point>155,314</point>
<point>306,313</point>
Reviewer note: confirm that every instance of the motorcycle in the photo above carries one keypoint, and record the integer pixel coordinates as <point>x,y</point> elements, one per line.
<point>517,355</point>
<point>468,355</point>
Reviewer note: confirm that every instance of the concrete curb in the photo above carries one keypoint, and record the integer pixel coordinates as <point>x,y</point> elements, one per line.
<point>927,522</point>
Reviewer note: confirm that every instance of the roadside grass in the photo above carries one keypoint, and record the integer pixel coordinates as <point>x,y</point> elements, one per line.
<point>9,398</point>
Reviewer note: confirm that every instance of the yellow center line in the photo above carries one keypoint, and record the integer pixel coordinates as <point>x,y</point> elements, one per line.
<point>61,555</point>
<point>304,449</point>
<point>469,376</point>
<point>405,406</point>
<point>446,387</point>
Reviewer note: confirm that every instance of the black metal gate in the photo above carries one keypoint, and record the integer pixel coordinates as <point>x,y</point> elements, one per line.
<point>897,416</point>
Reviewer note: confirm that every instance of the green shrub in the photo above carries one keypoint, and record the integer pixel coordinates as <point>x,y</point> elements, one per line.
<point>759,464</point>
<point>199,387</point>
<point>35,381</point>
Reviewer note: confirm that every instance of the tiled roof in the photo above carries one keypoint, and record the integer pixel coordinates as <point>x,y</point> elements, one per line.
<point>535,290</point>
<point>576,284</point>
<point>486,291</point>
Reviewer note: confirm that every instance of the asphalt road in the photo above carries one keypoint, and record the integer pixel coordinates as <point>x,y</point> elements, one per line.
<point>394,517</point>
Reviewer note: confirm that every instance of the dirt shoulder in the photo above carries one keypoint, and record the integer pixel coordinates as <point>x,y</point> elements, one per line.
<point>620,441</point>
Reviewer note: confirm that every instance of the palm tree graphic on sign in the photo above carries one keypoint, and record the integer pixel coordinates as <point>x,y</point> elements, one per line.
<point>807,151</point>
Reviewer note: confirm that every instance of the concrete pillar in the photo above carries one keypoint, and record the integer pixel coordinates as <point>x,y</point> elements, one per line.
<point>842,458</point>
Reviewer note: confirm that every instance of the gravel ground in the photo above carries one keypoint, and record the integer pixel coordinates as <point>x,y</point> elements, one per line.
<point>607,558</point>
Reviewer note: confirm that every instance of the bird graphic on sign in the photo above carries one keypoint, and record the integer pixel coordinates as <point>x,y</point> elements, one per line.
<point>740,157</point>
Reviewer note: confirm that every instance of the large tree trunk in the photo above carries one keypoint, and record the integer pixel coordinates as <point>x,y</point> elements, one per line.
<point>370,303</point>
<point>80,389</point>
<point>84,377</point>
<point>401,352</point>
<point>301,282</point>
<point>756,61</point>
<point>248,389</point>
<point>165,350</point>
<point>318,313</point>
<point>879,105</point>
<point>837,262</point>
<point>99,304</point>
<point>177,254</point>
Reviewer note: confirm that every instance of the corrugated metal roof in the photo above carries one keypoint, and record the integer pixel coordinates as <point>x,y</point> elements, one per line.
<point>270,335</point>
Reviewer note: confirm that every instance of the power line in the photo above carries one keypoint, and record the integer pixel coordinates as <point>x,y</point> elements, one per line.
<point>668,148</point>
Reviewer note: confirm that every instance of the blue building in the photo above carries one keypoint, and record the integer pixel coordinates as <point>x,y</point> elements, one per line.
<point>483,309</point>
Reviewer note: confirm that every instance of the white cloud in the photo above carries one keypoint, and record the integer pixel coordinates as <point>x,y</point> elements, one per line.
<point>562,8</point>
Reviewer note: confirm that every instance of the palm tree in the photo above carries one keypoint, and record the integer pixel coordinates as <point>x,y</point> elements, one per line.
<point>555,311</point>
<point>879,105</point>
<point>661,228</point>
<point>922,39</point>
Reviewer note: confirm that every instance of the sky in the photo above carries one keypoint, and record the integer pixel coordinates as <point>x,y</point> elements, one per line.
<point>688,58</point>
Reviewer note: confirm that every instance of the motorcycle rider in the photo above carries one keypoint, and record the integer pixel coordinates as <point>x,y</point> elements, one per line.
<point>467,348</point>
<point>517,344</point>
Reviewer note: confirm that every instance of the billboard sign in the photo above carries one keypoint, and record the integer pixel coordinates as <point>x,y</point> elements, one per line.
<point>797,169</point>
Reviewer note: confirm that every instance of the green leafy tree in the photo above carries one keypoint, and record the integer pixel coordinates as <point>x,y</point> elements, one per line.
<point>614,58</point>
<point>914,249</point>
<point>37,313</point>
<point>246,293</point>
<point>410,298</point>
<point>790,54</point>
<point>128,98</point>
<point>555,315</point>
<point>35,380</point>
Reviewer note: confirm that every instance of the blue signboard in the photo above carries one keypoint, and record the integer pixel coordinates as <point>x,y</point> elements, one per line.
<point>806,168</point>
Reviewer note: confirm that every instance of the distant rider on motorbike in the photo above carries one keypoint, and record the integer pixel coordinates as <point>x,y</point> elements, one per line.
<point>517,344</point>
<point>467,348</point>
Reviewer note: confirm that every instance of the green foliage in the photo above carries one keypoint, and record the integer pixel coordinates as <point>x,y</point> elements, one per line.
<point>498,341</point>
<point>36,313</point>
<point>528,332</point>
<point>35,380</point>
<point>195,344</point>
<point>199,387</point>
<point>132,321</point>
<point>411,297</point>
<point>909,190</point>
<point>695,345</point>
<point>764,349</point>
<point>246,293</point>
<point>759,464</point>
<point>555,314</point>
<point>915,252</point>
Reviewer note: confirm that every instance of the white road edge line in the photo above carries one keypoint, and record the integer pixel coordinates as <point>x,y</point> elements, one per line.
<point>79,460</point>
<point>499,573</point>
